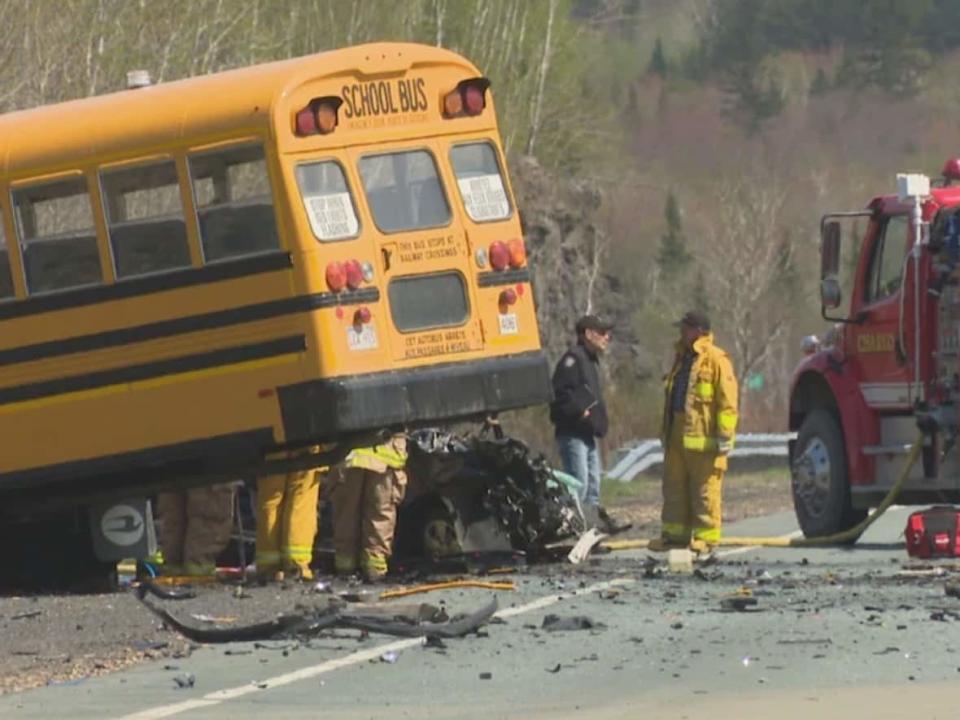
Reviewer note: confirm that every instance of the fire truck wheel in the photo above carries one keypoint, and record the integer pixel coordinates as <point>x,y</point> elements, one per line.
<point>821,491</point>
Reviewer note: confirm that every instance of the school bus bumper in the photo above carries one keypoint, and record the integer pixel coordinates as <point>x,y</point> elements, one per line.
<point>327,408</point>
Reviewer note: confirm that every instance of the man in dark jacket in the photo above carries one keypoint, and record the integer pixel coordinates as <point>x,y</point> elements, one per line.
<point>578,411</point>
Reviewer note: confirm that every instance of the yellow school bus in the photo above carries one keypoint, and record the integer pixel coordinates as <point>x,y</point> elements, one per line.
<point>199,274</point>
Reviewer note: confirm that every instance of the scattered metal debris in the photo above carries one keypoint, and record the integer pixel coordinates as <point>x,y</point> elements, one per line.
<point>738,603</point>
<point>26,615</point>
<point>333,615</point>
<point>185,680</point>
<point>553,623</point>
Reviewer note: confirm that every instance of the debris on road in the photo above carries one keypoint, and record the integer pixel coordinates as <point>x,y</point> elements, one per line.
<point>332,615</point>
<point>430,587</point>
<point>390,656</point>
<point>185,680</point>
<point>26,615</point>
<point>587,542</point>
<point>174,592</point>
<point>738,603</point>
<point>680,560</point>
<point>553,623</point>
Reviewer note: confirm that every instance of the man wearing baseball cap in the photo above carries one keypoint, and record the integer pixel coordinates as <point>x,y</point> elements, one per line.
<point>579,413</point>
<point>699,424</point>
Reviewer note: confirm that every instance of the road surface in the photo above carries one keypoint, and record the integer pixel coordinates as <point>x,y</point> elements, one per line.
<point>837,633</point>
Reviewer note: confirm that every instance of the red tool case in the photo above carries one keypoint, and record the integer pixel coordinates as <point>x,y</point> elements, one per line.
<point>934,532</point>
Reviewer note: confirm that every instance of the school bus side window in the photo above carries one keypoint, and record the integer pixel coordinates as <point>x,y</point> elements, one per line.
<point>6,278</point>
<point>404,191</point>
<point>57,237</point>
<point>327,200</point>
<point>480,181</point>
<point>145,219</point>
<point>231,189</point>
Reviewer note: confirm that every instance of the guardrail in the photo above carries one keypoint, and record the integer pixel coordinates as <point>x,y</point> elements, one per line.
<point>642,455</point>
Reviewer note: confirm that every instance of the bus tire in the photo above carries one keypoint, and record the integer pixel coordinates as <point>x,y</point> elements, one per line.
<point>819,478</point>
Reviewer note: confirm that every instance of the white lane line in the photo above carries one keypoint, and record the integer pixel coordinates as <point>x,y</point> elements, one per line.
<point>748,548</point>
<point>219,696</point>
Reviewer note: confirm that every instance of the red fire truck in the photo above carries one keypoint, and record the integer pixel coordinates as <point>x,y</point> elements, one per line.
<point>890,365</point>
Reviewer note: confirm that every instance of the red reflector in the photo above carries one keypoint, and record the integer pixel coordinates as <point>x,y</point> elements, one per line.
<point>354,274</point>
<point>306,124</point>
<point>336,276</point>
<point>473,100</point>
<point>361,316</point>
<point>266,392</point>
<point>520,289</point>
<point>499,255</point>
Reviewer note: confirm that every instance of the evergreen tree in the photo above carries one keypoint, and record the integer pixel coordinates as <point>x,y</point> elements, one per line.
<point>820,83</point>
<point>673,256</point>
<point>658,61</point>
<point>699,295</point>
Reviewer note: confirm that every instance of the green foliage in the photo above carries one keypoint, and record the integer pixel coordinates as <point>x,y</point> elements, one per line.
<point>820,84</point>
<point>658,61</point>
<point>701,297</point>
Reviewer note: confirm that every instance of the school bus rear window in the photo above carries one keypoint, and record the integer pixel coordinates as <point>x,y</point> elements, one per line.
<point>231,190</point>
<point>145,219</point>
<point>419,302</point>
<point>480,181</point>
<point>57,238</point>
<point>404,191</point>
<point>327,200</point>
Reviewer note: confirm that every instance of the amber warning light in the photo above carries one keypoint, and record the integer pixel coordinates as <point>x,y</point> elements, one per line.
<point>469,98</point>
<point>318,117</point>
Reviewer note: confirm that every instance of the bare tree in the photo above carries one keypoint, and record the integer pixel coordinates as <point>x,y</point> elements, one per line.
<point>750,256</point>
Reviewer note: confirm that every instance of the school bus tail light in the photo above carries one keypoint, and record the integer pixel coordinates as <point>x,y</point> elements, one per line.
<point>518,253</point>
<point>362,316</point>
<point>468,99</point>
<point>507,298</point>
<point>319,116</point>
<point>499,255</point>
<point>353,273</point>
<point>336,276</point>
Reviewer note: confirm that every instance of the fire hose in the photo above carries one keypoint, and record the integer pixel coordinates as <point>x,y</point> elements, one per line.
<point>850,534</point>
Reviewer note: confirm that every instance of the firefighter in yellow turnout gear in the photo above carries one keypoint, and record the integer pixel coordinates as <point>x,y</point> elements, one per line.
<point>699,426</point>
<point>287,524</point>
<point>194,528</point>
<point>371,486</point>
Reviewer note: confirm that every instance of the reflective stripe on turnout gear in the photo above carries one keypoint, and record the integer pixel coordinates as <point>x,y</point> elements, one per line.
<point>710,408</point>
<point>374,458</point>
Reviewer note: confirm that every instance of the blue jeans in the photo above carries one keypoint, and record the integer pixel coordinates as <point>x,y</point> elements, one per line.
<point>581,458</point>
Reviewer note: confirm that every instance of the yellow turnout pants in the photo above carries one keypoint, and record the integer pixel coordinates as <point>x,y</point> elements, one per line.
<point>364,517</point>
<point>692,482</point>
<point>287,521</point>
<point>194,528</point>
